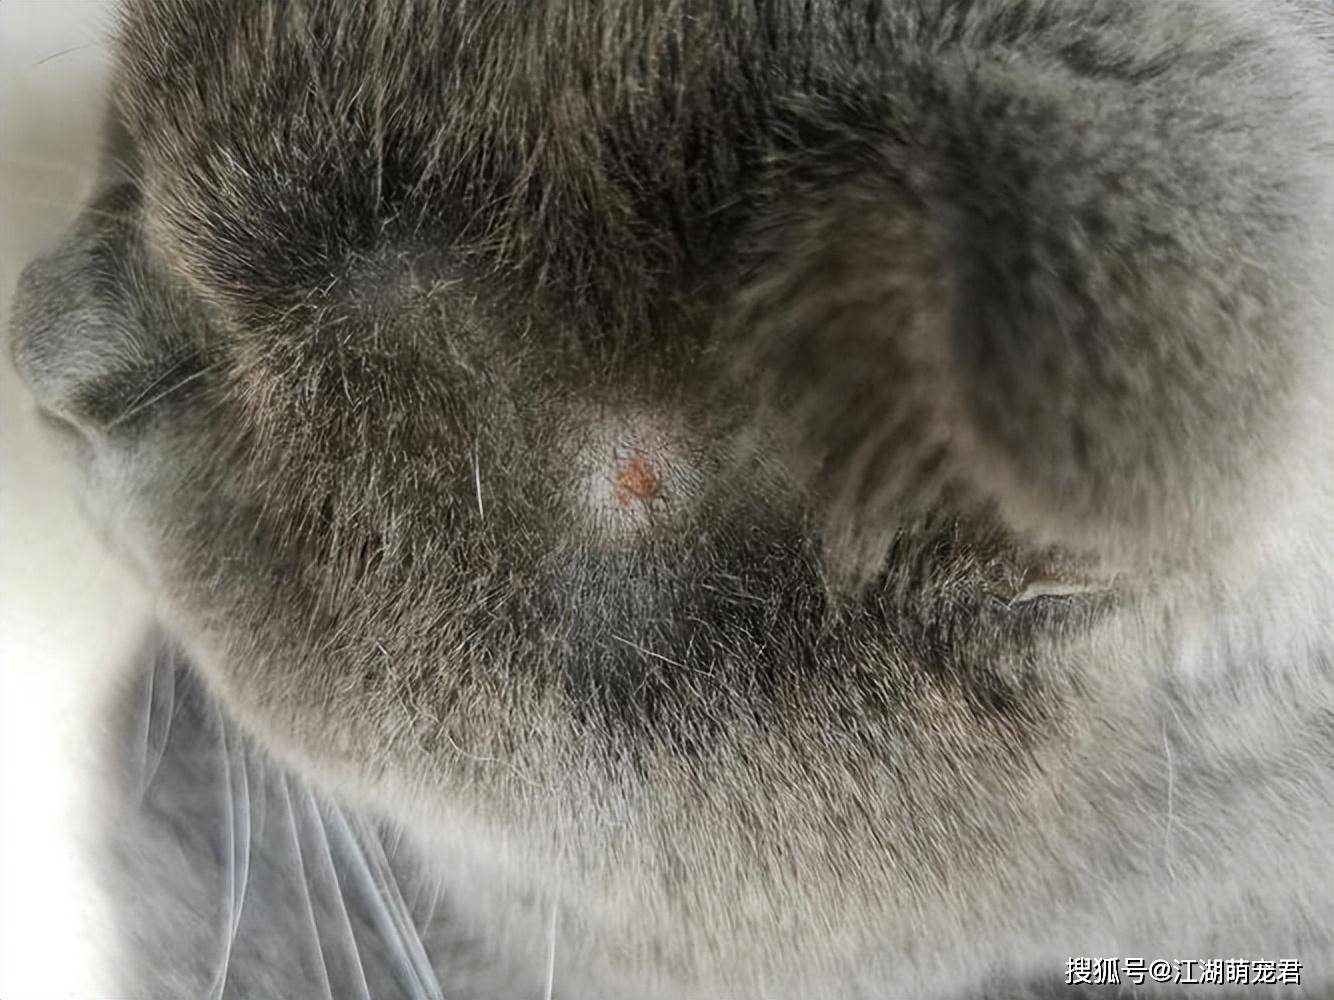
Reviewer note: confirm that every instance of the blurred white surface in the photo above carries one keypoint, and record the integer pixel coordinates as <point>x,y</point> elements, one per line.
<point>68,616</point>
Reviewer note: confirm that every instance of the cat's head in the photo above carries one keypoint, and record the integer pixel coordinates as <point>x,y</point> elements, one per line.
<point>465,385</point>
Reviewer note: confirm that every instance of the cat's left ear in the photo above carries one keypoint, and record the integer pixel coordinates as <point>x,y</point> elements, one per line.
<point>82,335</point>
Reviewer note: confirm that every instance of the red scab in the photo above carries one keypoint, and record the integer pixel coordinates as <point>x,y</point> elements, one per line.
<point>635,480</point>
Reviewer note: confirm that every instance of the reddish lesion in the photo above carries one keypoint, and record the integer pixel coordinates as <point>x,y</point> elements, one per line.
<point>635,481</point>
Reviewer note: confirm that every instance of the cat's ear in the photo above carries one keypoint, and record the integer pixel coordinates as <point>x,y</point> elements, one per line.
<point>90,332</point>
<point>1096,310</point>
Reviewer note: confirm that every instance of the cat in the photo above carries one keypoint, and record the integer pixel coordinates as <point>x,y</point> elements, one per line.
<point>711,499</point>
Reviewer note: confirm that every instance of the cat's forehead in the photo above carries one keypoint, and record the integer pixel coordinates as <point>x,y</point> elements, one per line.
<point>584,95</point>
<point>603,135</point>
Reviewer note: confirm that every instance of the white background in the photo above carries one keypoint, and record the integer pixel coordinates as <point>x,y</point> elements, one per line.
<point>68,616</point>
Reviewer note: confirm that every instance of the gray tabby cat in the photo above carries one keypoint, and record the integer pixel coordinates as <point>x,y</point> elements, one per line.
<point>712,499</point>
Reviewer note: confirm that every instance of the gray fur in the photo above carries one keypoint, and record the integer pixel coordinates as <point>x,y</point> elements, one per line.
<point>974,615</point>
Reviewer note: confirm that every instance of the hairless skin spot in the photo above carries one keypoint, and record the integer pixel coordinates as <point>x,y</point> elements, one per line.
<point>635,480</point>
<point>628,463</point>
